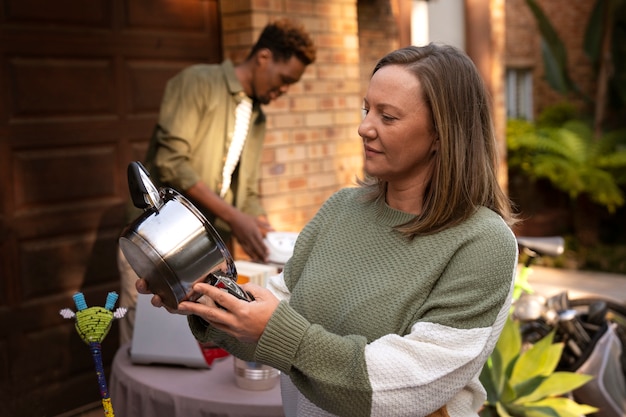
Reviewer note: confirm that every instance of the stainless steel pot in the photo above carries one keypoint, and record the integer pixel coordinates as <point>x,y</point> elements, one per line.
<point>172,245</point>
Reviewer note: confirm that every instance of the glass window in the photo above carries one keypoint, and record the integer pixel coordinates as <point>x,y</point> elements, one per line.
<point>519,93</point>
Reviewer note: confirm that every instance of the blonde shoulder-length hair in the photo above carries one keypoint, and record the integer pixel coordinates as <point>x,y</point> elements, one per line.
<point>464,175</point>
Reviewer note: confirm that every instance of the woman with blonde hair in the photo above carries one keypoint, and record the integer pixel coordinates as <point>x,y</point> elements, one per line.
<point>398,289</point>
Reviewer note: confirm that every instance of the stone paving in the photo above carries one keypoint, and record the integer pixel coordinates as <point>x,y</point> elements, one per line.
<point>579,284</point>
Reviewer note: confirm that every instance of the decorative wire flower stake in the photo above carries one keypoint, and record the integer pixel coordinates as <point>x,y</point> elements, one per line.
<point>93,324</point>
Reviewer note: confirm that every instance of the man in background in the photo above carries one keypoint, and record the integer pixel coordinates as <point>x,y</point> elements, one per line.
<point>208,140</point>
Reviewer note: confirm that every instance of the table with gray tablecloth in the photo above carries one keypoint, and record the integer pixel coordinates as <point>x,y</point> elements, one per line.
<point>171,391</point>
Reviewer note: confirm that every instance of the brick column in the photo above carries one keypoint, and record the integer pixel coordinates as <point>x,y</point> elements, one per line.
<point>312,147</point>
<point>485,36</point>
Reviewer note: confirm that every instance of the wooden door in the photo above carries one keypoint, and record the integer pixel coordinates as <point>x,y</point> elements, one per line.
<point>80,87</point>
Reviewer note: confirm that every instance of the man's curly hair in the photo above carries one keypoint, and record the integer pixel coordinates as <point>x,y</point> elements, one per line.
<point>285,39</point>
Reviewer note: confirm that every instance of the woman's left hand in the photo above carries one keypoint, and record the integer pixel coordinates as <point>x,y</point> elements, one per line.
<point>241,319</point>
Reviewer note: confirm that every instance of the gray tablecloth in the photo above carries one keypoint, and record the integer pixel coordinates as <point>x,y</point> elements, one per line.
<point>164,391</point>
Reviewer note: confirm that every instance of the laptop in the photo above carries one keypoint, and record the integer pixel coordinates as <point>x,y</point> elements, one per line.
<point>163,338</point>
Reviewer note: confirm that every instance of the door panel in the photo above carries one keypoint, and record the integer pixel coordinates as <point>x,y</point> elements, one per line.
<point>80,88</point>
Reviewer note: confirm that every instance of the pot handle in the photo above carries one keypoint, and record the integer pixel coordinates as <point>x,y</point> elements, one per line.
<point>142,191</point>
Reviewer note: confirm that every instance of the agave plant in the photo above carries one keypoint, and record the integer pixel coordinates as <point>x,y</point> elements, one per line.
<point>524,383</point>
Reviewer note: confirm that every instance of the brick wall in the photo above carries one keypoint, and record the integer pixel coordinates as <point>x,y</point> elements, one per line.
<point>523,49</point>
<point>312,148</point>
<point>378,35</point>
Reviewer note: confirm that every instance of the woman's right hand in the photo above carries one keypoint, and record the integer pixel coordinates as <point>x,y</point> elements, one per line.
<point>142,288</point>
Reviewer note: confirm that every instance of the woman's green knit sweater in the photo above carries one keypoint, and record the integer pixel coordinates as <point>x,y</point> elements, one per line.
<point>372,323</point>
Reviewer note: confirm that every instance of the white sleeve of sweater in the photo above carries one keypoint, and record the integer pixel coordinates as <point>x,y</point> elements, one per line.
<point>431,366</point>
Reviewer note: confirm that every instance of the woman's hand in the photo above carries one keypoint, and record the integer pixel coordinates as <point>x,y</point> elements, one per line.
<point>142,288</point>
<point>241,319</point>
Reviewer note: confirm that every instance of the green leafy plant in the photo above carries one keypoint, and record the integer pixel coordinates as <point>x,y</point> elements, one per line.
<point>570,159</point>
<point>524,383</point>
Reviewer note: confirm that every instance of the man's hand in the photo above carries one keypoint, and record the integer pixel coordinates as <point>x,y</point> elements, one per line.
<point>249,232</point>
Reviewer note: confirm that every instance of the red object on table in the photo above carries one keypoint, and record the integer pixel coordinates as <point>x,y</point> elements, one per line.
<point>212,352</point>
